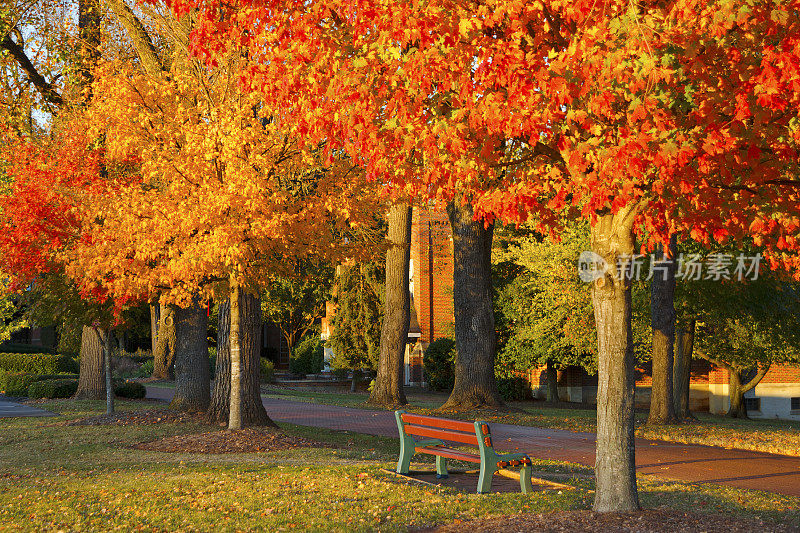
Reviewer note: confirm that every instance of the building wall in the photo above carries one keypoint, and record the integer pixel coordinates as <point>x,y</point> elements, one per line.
<point>432,258</point>
<point>775,392</point>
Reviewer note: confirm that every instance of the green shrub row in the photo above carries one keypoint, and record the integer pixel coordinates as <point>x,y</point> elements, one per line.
<point>37,363</point>
<point>53,388</point>
<point>17,383</point>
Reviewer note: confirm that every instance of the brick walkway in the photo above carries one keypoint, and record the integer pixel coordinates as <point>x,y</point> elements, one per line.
<point>692,463</point>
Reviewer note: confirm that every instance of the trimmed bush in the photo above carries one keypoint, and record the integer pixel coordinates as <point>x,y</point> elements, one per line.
<point>308,356</point>
<point>148,367</point>
<point>267,370</point>
<point>130,389</point>
<point>38,363</point>
<point>17,383</point>
<point>439,362</point>
<point>513,388</point>
<point>53,388</point>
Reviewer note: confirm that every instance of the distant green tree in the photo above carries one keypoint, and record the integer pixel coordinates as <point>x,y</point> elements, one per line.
<point>295,303</point>
<point>356,325</point>
<point>743,326</point>
<point>543,309</point>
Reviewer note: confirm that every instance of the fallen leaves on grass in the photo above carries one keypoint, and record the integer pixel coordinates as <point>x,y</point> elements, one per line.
<point>143,417</point>
<point>248,440</point>
<point>648,521</point>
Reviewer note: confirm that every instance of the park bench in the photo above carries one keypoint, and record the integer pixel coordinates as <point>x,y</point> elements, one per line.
<point>432,435</point>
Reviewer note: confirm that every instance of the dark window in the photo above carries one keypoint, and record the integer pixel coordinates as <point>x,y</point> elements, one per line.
<point>796,404</point>
<point>752,404</point>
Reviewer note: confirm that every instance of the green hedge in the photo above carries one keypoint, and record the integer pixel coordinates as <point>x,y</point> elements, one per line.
<point>308,356</point>
<point>38,363</point>
<point>439,364</point>
<point>53,388</point>
<point>130,389</point>
<point>17,383</point>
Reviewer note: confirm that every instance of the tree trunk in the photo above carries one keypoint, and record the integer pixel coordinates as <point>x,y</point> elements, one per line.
<point>737,389</point>
<point>388,389</point>
<point>737,407</point>
<point>252,409</point>
<point>155,315</point>
<point>475,385</point>
<point>552,382</point>
<point>164,352</point>
<point>192,382</point>
<point>662,319</point>
<point>682,370</point>
<point>235,340</point>
<point>91,381</point>
<point>107,366</point>
<point>615,469</point>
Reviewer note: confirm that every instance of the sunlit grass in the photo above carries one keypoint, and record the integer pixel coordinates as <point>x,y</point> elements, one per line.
<point>55,477</point>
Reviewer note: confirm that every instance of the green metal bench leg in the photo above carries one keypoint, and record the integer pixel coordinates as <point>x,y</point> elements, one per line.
<point>485,478</point>
<point>441,467</point>
<point>525,479</point>
<point>406,452</point>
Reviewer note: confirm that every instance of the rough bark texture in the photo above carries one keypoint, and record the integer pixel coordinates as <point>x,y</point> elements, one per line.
<point>155,315</point>
<point>552,382</point>
<point>662,318</point>
<point>388,389</point>
<point>684,344</point>
<point>615,469</point>
<point>192,381</point>
<point>107,366</point>
<point>475,385</point>
<point>91,380</point>
<point>253,413</point>
<point>166,340</point>
<point>235,341</point>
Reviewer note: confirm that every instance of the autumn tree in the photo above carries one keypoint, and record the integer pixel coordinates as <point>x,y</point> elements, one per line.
<point>646,119</point>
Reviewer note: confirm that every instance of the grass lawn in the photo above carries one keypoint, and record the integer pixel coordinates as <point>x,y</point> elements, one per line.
<point>55,477</point>
<point>772,436</point>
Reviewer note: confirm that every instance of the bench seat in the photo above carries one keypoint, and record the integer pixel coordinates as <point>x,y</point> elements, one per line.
<point>431,435</point>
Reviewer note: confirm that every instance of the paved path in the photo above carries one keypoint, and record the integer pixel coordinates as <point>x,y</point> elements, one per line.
<point>693,463</point>
<point>10,409</point>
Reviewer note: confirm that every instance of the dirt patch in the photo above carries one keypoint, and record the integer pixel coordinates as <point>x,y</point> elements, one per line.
<point>651,520</point>
<point>141,418</point>
<point>248,440</point>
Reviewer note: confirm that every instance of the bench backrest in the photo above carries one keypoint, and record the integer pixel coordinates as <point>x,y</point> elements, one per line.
<point>445,429</point>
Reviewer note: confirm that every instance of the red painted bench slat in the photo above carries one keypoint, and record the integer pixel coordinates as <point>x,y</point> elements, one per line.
<point>444,423</point>
<point>442,434</point>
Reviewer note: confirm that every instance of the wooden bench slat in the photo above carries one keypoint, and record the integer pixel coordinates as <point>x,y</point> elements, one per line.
<point>450,453</point>
<point>444,423</point>
<point>443,434</point>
